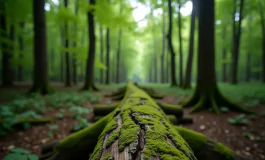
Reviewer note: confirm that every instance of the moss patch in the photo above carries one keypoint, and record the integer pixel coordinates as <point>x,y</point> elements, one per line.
<point>223,150</point>
<point>107,156</point>
<point>114,135</point>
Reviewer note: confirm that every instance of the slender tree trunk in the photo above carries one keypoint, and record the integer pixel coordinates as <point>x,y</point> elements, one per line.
<point>12,51</point>
<point>21,49</point>
<point>180,46</point>
<point>52,60</point>
<point>187,83</point>
<point>108,56</point>
<point>170,46</point>
<point>89,80</point>
<point>163,78</point>
<point>261,11</point>
<point>67,57</point>
<point>224,65</point>
<point>248,67</point>
<point>74,60</point>
<point>101,53</point>
<point>118,57</point>
<point>62,55</point>
<point>236,44</point>
<point>40,77</point>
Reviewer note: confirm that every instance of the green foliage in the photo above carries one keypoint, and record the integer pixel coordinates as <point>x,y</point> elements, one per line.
<point>20,154</point>
<point>238,120</point>
<point>83,123</point>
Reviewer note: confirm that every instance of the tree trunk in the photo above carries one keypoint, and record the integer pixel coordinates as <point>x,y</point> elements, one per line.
<point>67,57</point>
<point>236,43</point>
<point>108,56</point>
<point>21,49</point>
<point>89,80</point>
<point>163,49</point>
<point>40,76</point>
<point>119,50</point>
<point>155,68</point>
<point>207,93</point>
<point>137,128</point>
<point>12,51</point>
<point>224,65</point>
<point>187,83</point>
<point>170,46</point>
<point>180,46</point>
<point>101,53</point>
<point>74,60</point>
<point>248,67</point>
<point>62,55</point>
<point>261,11</point>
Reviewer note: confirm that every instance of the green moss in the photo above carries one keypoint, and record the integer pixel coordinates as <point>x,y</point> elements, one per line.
<point>194,139</point>
<point>114,135</point>
<point>129,130</point>
<point>111,125</point>
<point>107,156</point>
<point>223,150</point>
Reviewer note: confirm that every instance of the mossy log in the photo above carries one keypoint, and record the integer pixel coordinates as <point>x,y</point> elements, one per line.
<point>137,129</point>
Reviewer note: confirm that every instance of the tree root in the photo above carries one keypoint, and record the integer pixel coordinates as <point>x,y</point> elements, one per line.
<point>206,149</point>
<point>202,100</point>
<point>171,109</point>
<point>43,90</point>
<point>90,88</point>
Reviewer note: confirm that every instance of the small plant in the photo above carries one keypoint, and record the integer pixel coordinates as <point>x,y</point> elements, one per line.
<point>238,120</point>
<point>251,136</point>
<point>94,99</point>
<point>79,110</point>
<point>83,123</point>
<point>53,129</point>
<point>60,115</point>
<point>224,109</point>
<point>20,154</point>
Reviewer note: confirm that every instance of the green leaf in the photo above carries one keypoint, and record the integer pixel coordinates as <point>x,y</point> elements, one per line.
<point>224,109</point>
<point>15,156</point>
<point>33,157</point>
<point>26,126</point>
<point>50,134</point>
<point>232,121</point>
<point>257,138</point>
<point>20,150</point>
<point>60,115</point>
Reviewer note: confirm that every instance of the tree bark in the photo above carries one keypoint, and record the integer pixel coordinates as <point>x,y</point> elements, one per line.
<point>119,50</point>
<point>108,56</point>
<point>62,54</point>
<point>101,52</point>
<point>236,43</point>
<point>67,57</point>
<point>170,46</point>
<point>89,80</point>
<point>6,58</point>
<point>74,60</point>
<point>163,78</point>
<point>187,83</point>
<point>224,65</point>
<point>248,67</point>
<point>207,93</point>
<point>21,49</point>
<point>40,76</point>
<point>180,46</point>
<point>261,11</point>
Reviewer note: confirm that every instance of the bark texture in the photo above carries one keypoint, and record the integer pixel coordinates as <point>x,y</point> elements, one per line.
<point>40,74</point>
<point>89,79</point>
<point>170,46</point>
<point>236,42</point>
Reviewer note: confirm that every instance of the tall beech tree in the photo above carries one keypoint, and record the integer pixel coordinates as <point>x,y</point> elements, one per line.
<point>236,40</point>
<point>119,50</point>
<point>74,60</point>
<point>163,78</point>
<point>187,82</point>
<point>224,55</point>
<point>101,52</point>
<point>180,45</point>
<point>89,79</point>
<point>40,74</point>
<point>207,93</point>
<point>107,80</point>
<point>170,46</point>
<point>7,79</point>
<point>21,49</point>
<point>67,56</point>
<point>262,17</point>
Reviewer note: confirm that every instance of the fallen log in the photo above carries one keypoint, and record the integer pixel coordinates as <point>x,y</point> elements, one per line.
<point>137,129</point>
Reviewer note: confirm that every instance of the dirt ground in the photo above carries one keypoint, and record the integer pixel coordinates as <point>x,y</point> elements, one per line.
<point>215,127</point>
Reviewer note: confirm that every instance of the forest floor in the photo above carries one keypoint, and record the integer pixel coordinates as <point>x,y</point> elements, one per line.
<point>246,136</point>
